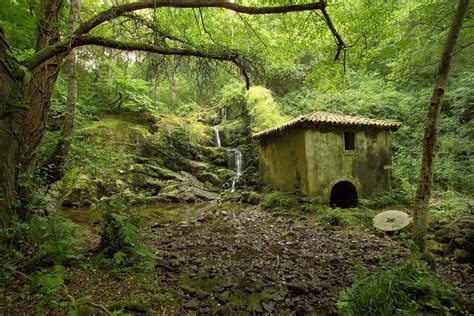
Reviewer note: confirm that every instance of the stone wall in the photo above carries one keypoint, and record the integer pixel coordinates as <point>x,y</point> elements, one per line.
<point>315,160</point>
<point>329,163</point>
<point>282,161</point>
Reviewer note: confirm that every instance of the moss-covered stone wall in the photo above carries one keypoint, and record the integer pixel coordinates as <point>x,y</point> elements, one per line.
<point>314,159</point>
<point>282,161</point>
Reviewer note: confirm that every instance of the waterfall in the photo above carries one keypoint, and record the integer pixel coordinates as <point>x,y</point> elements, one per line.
<point>223,115</point>
<point>235,161</point>
<point>218,138</point>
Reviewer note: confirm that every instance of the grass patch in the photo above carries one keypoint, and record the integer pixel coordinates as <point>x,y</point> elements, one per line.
<point>409,289</point>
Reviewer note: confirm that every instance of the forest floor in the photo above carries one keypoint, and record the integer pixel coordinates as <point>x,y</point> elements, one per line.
<point>233,261</point>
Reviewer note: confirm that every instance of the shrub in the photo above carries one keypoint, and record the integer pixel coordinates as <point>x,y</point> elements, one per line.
<point>408,289</point>
<point>121,238</point>
<point>336,217</point>
<point>277,200</point>
<point>43,241</point>
<point>263,109</point>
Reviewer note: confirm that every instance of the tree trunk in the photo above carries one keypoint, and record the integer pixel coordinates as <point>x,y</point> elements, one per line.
<point>53,169</point>
<point>173,87</point>
<point>423,193</point>
<point>23,129</point>
<point>13,106</point>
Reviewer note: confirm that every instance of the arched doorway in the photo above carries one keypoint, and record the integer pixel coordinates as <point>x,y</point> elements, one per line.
<point>343,195</point>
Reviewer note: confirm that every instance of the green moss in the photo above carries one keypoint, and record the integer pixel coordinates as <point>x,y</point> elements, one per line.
<point>116,134</point>
<point>263,109</point>
<point>277,200</point>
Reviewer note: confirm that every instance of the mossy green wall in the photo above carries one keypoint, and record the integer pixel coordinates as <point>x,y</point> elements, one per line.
<point>318,156</point>
<point>282,160</point>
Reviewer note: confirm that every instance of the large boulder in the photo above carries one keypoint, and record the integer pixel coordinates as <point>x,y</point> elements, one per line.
<point>116,134</point>
<point>84,192</point>
<point>186,188</point>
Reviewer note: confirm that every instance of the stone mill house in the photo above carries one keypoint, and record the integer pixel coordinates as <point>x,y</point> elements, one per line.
<point>330,157</point>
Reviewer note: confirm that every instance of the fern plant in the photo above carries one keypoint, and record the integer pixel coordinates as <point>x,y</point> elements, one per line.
<point>409,289</point>
<point>43,241</point>
<point>121,238</point>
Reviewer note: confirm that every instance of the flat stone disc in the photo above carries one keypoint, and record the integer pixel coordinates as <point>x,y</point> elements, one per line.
<point>391,220</point>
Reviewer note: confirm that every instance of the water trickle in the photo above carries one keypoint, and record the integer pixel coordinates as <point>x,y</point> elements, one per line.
<point>223,115</point>
<point>218,138</point>
<point>235,162</point>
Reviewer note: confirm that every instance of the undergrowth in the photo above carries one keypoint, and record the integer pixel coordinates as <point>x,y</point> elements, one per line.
<point>121,239</point>
<point>42,242</point>
<point>409,289</point>
<point>278,200</point>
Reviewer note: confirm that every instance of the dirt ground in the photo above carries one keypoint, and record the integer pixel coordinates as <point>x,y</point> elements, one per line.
<point>235,262</point>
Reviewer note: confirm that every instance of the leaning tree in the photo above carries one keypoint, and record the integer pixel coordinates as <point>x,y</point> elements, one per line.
<point>26,87</point>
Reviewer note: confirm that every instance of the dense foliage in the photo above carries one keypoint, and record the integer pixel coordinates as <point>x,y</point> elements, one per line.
<point>139,109</point>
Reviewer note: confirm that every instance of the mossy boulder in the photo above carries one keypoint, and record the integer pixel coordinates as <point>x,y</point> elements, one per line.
<point>208,177</point>
<point>437,247</point>
<point>444,234</point>
<point>115,133</point>
<point>251,197</point>
<point>216,155</point>
<point>83,193</point>
<point>152,170</point>
<point>143,182</point>
<point>185,192</point>
<point>210,116</point>
<point>233,133</point>
<point>463,256</point>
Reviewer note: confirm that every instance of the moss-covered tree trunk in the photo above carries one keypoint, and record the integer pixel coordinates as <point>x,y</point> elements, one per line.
<point>13,106</point>
<point>23,113</point>
<point>423,193</point>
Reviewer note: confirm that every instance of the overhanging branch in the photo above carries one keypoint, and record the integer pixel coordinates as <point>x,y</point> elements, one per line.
<point>120,10</point>
<point>65,47</point>
<point>340,43</point>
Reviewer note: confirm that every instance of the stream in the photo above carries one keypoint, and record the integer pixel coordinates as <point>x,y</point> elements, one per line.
<point>158,214</point>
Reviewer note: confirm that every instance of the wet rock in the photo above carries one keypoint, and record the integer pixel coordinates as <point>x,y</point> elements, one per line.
<point>83,193</point>
<point>140,181</point>
<point>205,176</point>
<point>268,307</point>
<point>437,247</point>
<point>251,197</point>
<point>444,234</point>
<point>192,305</point>
<point>180,192</point>
<point>463,256</point>
<point>298,288</point>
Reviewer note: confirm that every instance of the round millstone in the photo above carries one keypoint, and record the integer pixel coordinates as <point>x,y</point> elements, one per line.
<point>391,220</point>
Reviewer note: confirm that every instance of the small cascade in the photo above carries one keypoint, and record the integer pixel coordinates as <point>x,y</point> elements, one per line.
<point>218,138</point>
<point>223,115</point>
<point>235,162</point>
<point>235,156</point>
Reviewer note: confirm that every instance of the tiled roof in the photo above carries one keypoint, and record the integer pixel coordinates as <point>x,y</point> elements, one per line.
<point>326,118</point>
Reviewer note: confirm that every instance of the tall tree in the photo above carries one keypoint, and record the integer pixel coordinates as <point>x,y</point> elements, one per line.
<point>25,95</point>
<point>53,168</point>
<point>423,193</point>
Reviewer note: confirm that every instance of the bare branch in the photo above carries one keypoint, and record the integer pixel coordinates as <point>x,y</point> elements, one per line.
<point>149,24</point>
<point>204,27</point>
<point>253,30</point>
<point>340,43</point>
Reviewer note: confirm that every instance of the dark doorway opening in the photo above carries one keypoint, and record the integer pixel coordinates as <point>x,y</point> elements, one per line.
<point>343,195</point>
